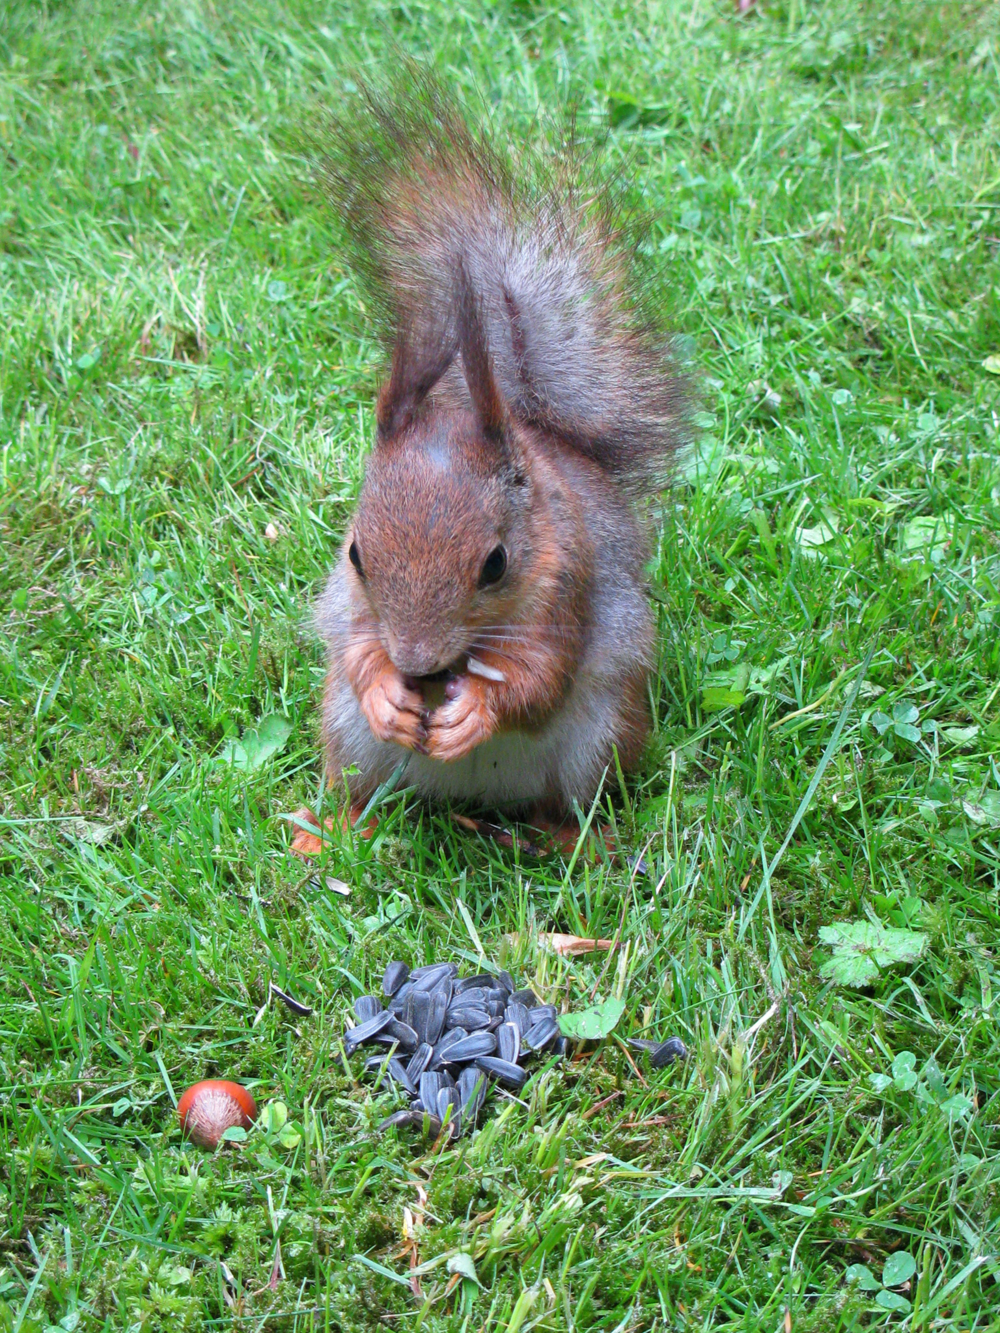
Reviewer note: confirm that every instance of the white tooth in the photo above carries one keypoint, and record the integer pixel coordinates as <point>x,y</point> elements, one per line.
<point>478,668</point>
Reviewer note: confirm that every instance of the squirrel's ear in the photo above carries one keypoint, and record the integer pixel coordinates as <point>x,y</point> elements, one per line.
<point>417,365</point>
<point>483,388</point>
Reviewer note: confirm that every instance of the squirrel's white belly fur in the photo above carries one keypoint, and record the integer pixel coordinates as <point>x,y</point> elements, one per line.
<point>564,758</point>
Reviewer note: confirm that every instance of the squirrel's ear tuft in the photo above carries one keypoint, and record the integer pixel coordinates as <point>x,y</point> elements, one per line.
<point>417,365</point>
<point>476,363</point>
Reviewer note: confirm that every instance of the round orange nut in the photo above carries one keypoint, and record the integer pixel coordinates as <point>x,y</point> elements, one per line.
<point>211,1107</point>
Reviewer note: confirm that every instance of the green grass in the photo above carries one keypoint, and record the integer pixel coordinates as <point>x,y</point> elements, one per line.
<point>183,361</point>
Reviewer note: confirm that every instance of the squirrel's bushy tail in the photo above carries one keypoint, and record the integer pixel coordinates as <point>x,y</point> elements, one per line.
<point>430,206</point>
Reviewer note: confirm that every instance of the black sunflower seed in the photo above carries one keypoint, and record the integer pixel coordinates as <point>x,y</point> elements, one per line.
<point>540,1034</point>
<point>396,1071</point>
<point>509,1042</point>
<point>367,1006</point>
<point>419,1060</point>
<point>442,1048</point>
<point>506,981</point>
<point>667,1052</point>
<point>366,1031</point>
<point>448,1098</point>
<point>475,1044</point>
<point>469,1017</point>
<point>512,1076</point>
<point>526,997</point>
<point>395,975</point>
<point>543,1011</point>
<point>416,1012</point>
<point>472,1089</point>
<point>436,1016</point>
<point>429,1085</point>
<point>481,982</point>
<point>408,1117</point>
<point>519,1016</point>
<point>402,1034</point>
<point>426,978</point>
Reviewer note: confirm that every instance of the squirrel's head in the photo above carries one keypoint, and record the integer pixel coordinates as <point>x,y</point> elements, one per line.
<point>440,542</point>
<point>440,539</point>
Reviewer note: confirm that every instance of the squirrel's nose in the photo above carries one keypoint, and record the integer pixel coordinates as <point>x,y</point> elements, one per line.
<point>415,659</point>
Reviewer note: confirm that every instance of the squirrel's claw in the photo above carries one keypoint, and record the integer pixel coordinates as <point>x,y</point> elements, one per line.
<point>395,713</point>
<point>459,726</point>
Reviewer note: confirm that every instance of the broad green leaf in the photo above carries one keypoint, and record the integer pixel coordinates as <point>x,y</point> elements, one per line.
<point>862,949</point>
<point>235,1134</point>
<point>259,744</point>
<point>290,1136</point>
<point>273,1117</point>
<point>992,364</point>
<point>890,1300</point>
<point>985,810</point>
<point>725,689</point>
<point>860,1276</point>
<point>626,112</point>
<point>906,732</point>
<point>174,1275</point>
<point>899,1268</point>
<point>881,721</point>
<point>903,1071</point>
<point>462,1263</point>
<point>959,735</point>
<point>593,1023</point>
<point>704,461</point>
<point>88,830</point>
<point>958,1105</point>
<point>812,541</point>
<point>880,1082</point>
<point>926,537</point>
<point>905,712</point>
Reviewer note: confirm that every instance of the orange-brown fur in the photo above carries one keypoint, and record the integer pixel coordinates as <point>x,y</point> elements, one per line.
<point>524,409</point>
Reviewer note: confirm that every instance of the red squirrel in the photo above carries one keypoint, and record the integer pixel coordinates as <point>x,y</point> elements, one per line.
<point>487,622</point>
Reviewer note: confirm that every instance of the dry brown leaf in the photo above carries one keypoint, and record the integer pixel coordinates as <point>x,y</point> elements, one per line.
<point>572,945</point>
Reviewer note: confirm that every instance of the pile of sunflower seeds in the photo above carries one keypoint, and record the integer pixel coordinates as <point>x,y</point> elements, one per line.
<point>457,1034</point>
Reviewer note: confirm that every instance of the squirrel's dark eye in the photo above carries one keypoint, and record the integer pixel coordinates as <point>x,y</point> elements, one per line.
<point>494,567</point>
<point>355,559</point>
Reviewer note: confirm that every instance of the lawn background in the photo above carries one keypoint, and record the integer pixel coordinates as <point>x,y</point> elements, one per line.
<point>185,361</point>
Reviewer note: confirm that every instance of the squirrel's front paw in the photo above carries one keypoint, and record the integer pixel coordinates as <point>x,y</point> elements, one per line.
<point>461,724</point>
<point>395,712</point>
